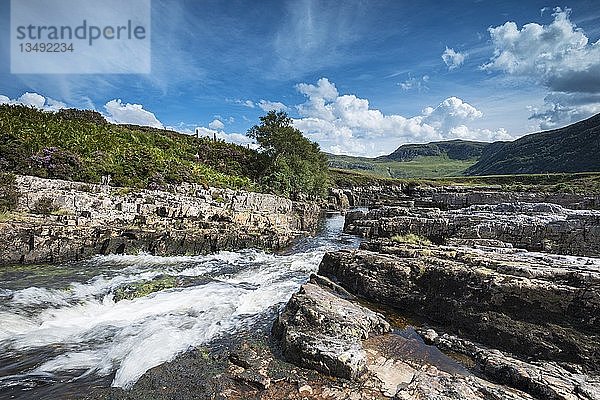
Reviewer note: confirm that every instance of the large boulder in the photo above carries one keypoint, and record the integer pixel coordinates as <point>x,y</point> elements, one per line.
<point>321,329</point>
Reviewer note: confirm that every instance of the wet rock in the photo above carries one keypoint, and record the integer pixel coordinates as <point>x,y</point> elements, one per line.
<point>320,330</point>
<point>543,380</point>
<point>532,226</point>
<point>408,370</point>
<point>131,291</point>
<point>535,305</point>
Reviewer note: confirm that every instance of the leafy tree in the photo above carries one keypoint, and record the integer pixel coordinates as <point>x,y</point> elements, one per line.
<point>295,165</point>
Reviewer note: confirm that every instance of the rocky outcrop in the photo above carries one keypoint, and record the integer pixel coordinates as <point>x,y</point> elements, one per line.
<point>544,307</point>
<point>59,220</point>
<point>450,197</point>
<point>369,196</point>
<point>543,380</point>
<point>408,377</point>
<point>456,197</point>
<point>322,330</point>
<point>532,226</point>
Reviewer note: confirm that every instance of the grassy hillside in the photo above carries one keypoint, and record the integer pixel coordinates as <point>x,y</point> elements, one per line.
<point>81,145</point>
<point>574,148</point>
<point>583,183</point>
<point>417,167</point>
<point>429,160</point>
<point>452,149</point>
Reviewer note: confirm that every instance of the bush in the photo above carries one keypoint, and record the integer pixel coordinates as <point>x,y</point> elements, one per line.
<point>44,206</point>
<point>294,165</point>
<point>80,145</point>
<point>9,193</point>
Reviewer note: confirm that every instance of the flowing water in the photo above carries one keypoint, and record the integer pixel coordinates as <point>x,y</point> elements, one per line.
<point>60,326</point>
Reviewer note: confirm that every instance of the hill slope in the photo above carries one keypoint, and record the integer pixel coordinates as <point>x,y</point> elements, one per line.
<point>81,145</point>
<point>574,148</point>
<point>454,149</point>
<point>428,160</point>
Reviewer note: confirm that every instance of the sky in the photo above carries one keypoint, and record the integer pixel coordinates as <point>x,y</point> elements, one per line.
<point>358,77</point>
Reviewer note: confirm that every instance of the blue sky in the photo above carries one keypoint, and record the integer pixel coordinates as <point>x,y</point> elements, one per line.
<point>359,77</point>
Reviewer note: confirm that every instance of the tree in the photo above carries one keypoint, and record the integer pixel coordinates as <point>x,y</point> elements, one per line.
<point>295,165</point>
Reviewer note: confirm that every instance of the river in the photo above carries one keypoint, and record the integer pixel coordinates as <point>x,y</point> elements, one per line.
<point>61,330</point>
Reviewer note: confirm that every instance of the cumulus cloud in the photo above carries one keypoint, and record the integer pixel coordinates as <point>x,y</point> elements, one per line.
<point>453,59</point>
<point>347,124</point>
<point>135,114</point>
<point>34,100</point>
<point>216,124</point>
<point>266,105</point>
<point>558,56</point>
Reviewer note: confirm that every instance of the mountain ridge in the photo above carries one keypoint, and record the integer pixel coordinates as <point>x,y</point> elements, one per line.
<point>573,148</point>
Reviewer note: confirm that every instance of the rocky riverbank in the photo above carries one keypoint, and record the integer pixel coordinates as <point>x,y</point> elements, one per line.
<point>488,301</point>
<point>59,221</point>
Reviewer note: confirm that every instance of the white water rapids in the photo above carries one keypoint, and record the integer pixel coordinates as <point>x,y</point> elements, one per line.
<point>70,323</point>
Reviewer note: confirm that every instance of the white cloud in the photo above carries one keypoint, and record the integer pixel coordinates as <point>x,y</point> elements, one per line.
<point>245,103</point>
<point>216,124</point>
<point>450,113</point>
<point>34,100</point>
<point>120,113</point>
<point>557,56</point>
<point>453,59</point>
<point>415,83</point>
<point>347,124</point>
<point>561,108</point>
<point>266,105</point>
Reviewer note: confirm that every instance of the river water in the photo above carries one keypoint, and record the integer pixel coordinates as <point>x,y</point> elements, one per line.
<point>60,328</point>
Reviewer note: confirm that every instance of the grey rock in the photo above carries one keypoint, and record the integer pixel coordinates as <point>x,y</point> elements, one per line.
<point>532,226</point>
<point>536,305</point>
<point>543,380</point>
<point>320,330</point>
<point>189,219</point>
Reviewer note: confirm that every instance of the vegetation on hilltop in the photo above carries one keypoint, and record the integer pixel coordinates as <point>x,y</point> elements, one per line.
<point>453,149</point>
<point>417,167</point>
<point>80,145</point>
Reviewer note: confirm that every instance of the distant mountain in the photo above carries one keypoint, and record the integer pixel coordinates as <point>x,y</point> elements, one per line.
<point>453,149</point>
<point>430,160</point>
<point>574,148</point>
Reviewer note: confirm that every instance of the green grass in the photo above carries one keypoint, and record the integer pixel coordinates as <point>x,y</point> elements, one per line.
<point>419,167</point>
<point>79,146</point>
<point>579,183</point>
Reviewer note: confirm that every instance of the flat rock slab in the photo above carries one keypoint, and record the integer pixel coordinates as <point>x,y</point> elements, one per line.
<point>532,226</point>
